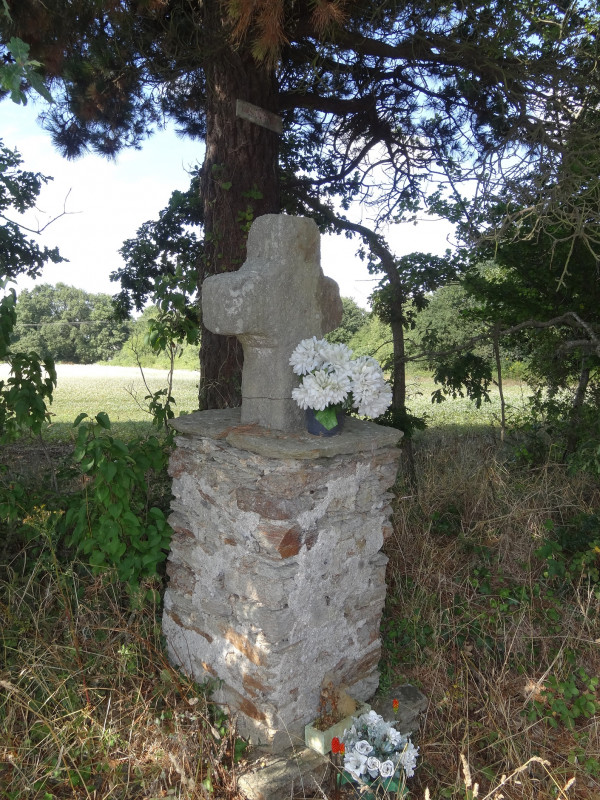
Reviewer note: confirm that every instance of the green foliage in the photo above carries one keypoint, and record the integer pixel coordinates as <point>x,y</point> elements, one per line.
<point>418,275</point>
<point>467,372</point>
<point>446,322</point>
<point>108,519</point>
<point>138,351</point>
<point>353,319</point>
<point>19,69</point>
<point>27,390</point>
<point>572,551</point>
<point>553,312</point>
<point>566,700</point>
<point>161,262</point>
<point>403,420</point>
<point>373,338</point>
<point>68,324</point>
<point>19,190</point>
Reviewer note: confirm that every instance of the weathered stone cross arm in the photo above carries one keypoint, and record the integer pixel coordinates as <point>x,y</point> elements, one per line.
<point>277,298</point>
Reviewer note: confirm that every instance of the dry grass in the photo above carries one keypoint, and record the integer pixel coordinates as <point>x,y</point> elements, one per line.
<point>90,707</point>
<point>474,622</point>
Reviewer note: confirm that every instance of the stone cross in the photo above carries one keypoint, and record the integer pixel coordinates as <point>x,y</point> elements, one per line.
<point>277,298</point>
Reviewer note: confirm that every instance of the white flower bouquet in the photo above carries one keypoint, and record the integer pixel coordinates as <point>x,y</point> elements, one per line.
<point>333,379</point>
<point>377,756</point>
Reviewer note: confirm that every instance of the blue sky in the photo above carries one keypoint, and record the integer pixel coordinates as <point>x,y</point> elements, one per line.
<point>106,201</point>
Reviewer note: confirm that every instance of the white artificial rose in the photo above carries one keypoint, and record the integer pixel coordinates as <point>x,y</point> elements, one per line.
<point>363,747</point>
<point>373,765</point>
<point>371,718</point>
<point>387,769</point>
<point>395,738</point>
<point>355,764</point>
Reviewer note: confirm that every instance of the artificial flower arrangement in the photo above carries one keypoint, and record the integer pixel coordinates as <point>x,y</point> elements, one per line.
<point>376,755</point>
<point>333,379</point>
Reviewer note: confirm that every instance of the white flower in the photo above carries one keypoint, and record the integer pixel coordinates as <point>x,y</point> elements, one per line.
<point>331,377</point>
<point>395,737</point>
<point>374,404</point>
<point>321,389</point>
<point>349,733</point>
<point>370,718</point>
<point>371,393</point>
<point>408,759</point>
<point>302,396</point>
<point>306,356</point>
<point>355,764</point>
<point>363,747</point>
<point>337,357</point>
<point>373,765</point>
<point>387,769</point>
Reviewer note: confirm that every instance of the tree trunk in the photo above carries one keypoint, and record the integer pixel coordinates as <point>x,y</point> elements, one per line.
<point>500,385</point>
<point>399,385</point>
<point>574,434</point>
<point>239,182</point>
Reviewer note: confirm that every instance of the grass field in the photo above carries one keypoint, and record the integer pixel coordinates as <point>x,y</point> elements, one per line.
<point>120,392</point>
<point>493,610</point>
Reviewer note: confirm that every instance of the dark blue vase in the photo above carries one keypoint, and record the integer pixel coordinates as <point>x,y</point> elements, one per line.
<point>314,427</point>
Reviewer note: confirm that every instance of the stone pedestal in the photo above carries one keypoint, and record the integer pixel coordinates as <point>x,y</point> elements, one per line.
<point>276,571</point>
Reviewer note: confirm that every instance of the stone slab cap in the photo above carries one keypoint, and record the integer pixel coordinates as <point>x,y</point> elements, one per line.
<point>278,297</point>
<point>357,436</point>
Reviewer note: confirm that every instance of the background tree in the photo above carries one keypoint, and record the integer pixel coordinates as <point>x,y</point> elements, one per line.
<point>68,324</point>
<point>353,319</point>
<point>550,316</point>
<point>374,102</point>
<point>137,350</point>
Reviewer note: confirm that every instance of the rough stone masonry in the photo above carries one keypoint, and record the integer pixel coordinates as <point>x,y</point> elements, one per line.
<point>276,572</point>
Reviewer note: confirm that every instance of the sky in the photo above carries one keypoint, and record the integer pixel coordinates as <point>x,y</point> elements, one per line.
<point>107,201</point>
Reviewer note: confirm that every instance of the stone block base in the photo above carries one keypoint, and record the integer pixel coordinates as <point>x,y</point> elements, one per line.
<point>276,571</point>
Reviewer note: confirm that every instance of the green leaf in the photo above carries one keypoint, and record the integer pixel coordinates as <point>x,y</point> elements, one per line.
<point>79,418</point>
<point>38,84</point>
<point>103,420</point>
<point>115,510</point>
<point>327,417</point>
<point>18,49</point>
<point>108,470</point>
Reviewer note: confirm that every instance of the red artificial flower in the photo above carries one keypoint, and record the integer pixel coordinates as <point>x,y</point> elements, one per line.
<point>335,745</point>
<point>395,705</point>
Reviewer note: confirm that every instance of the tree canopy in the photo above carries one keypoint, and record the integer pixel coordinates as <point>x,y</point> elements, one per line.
<point>375,102</point>
<point>68,324</point>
